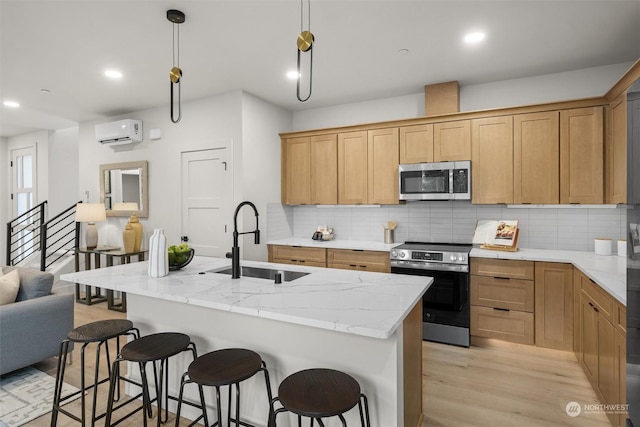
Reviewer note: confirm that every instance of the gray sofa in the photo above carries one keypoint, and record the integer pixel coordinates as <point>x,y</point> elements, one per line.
<point>32,328</point>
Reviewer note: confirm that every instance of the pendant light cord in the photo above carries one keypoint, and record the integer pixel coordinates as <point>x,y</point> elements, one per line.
<point>302,15</point>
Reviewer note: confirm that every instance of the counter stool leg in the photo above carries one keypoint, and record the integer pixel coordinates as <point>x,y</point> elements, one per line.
<point>364,402</point>
<point>57,393</point>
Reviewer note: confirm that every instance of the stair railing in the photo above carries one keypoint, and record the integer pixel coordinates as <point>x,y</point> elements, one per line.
<point>23,234</point>
<point>59,236</point>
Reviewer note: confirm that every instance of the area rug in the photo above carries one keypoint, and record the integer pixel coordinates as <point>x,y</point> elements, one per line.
<point>27,394</point>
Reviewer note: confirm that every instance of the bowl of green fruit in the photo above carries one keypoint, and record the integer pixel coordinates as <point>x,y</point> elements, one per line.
<point>179,256</point>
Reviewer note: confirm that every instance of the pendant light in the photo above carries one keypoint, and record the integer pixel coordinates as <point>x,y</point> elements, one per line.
<point>177,18</point>
<point>305,44</point>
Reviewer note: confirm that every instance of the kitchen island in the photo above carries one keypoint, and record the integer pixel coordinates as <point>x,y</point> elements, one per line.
<point>366,324</point>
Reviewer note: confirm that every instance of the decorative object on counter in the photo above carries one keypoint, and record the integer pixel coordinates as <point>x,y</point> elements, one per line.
<point>136,225</point>
<point>305,44</point>
<point>602,246</point>
<point>323,233</point>
<point>176,17</point>
<point>158,254</point>
<point>622,247</point>
<point>389,231</point>
<point>128,238</point>
<point>91,213</point>
<point>499,235</point>
<point>179,256</point>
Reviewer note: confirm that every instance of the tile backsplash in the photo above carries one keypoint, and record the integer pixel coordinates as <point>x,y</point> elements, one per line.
<point>563,227</point>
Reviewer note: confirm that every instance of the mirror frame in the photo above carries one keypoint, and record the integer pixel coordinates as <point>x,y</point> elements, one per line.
<point>144,189</point>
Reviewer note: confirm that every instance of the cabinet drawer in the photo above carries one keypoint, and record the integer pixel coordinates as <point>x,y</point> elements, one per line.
<point>507,325</point>
<point>299,262</point>
<point>358,260</point>
<point>513,269</point>
<point>297,253</point>
<point>600,297</point>
<point>511,294</point>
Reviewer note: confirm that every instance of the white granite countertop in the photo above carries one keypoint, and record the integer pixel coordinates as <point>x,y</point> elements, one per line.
<point>335,244</point>
<point>608,271</point>
<point>356,302</point>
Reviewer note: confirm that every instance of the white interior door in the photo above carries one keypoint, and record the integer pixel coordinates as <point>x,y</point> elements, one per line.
<point>207,190</point>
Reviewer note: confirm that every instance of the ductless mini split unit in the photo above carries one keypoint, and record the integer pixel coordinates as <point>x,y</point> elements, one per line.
<point>120,132</point>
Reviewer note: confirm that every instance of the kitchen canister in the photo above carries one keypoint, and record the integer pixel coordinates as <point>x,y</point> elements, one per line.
<point>158,254</point>
<point>622,247</point>
<point>602,246</point>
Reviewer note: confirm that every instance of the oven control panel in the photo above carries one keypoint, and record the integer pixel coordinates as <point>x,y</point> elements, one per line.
<point>427,256</point>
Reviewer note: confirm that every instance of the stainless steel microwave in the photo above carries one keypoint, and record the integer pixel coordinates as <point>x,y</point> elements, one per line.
<point>435,181</point>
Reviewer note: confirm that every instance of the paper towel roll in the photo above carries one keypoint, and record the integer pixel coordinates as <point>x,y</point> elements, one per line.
<point>622,247</point>
<point>602,246</point>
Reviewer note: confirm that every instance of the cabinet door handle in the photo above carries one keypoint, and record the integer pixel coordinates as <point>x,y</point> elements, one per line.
<point>501,309</point>
<point>502,278</point>
<point>594,307</point>
<point>353,265</point>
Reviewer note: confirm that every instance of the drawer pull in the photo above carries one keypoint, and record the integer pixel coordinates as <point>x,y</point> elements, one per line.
<point>594,307</point>
<point>501,309</point>
<point>502,278</point>
<point>352,265</point>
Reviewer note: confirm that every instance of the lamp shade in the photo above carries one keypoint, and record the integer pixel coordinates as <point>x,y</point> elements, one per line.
<point>90,212</point>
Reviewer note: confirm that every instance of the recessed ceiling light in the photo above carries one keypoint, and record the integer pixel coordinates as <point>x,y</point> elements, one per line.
<point>293,75</point>
<point>12,104</point>
<point>113,74</point>
<point>474,37</point>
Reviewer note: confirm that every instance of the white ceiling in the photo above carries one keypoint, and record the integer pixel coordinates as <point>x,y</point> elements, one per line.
<point>65,46</point>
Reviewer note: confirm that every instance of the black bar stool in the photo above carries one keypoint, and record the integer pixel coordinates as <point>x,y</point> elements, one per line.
<point>226,367</point>
<point>96,332</point>
<point>320,393</point>
<point>155,348</point>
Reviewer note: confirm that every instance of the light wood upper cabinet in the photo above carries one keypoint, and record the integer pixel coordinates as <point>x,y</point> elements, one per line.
<point>324,169</point>
<point>296,160</point>
<point>492,160</point>
<point>581,155</point>
<point>536,158</point>
<point>554,305</point>
<point>416,144</point>
<point>452,141</point>
<point>383,153</point>
<point>353,173</point>
<point>310,170</point>
<point>616,162</point>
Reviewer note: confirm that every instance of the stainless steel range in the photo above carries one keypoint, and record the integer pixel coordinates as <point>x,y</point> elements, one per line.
<point>446,302</point>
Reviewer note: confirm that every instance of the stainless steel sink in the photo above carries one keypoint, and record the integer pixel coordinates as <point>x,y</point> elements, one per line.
<point>264,273</point>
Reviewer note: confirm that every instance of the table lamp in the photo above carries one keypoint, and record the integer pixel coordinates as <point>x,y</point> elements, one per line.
<point>91,213</point>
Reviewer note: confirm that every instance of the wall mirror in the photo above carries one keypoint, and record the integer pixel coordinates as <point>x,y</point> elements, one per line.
<point>124,190</point>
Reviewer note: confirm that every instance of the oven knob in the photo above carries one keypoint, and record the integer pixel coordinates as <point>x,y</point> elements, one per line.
<point>461,258</point>
<point>394,254</point>
<point>402,254</point>
<point>453,257</point>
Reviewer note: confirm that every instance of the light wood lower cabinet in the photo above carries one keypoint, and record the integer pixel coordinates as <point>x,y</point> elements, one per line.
<point>554,305</point>
<point>502,299</point>
<point>312,257</point>
<point>349,259</point>
<point>601,349</point>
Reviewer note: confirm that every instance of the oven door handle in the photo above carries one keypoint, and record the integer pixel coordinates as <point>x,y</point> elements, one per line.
<point>434,266</point>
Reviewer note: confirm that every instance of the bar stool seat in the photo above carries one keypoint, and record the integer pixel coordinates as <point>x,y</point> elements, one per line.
<point>155,348</point>
<point>321,393</point>
<point>220,368</point>
<point>96,332</point>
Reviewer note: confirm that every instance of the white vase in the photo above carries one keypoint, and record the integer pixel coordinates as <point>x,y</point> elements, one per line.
<point>158,255</point>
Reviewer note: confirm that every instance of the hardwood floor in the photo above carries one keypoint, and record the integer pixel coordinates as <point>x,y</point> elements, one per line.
<point>496,384</point>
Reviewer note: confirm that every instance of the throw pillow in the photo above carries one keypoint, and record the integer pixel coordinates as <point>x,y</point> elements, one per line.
<point>34,284</point>
<point>9,287</point>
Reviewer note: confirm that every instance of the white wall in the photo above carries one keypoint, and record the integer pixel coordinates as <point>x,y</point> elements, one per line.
<point>246,124</point>
<point>570,85</point>
<point>261,124</point>
<point>63,170</point>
